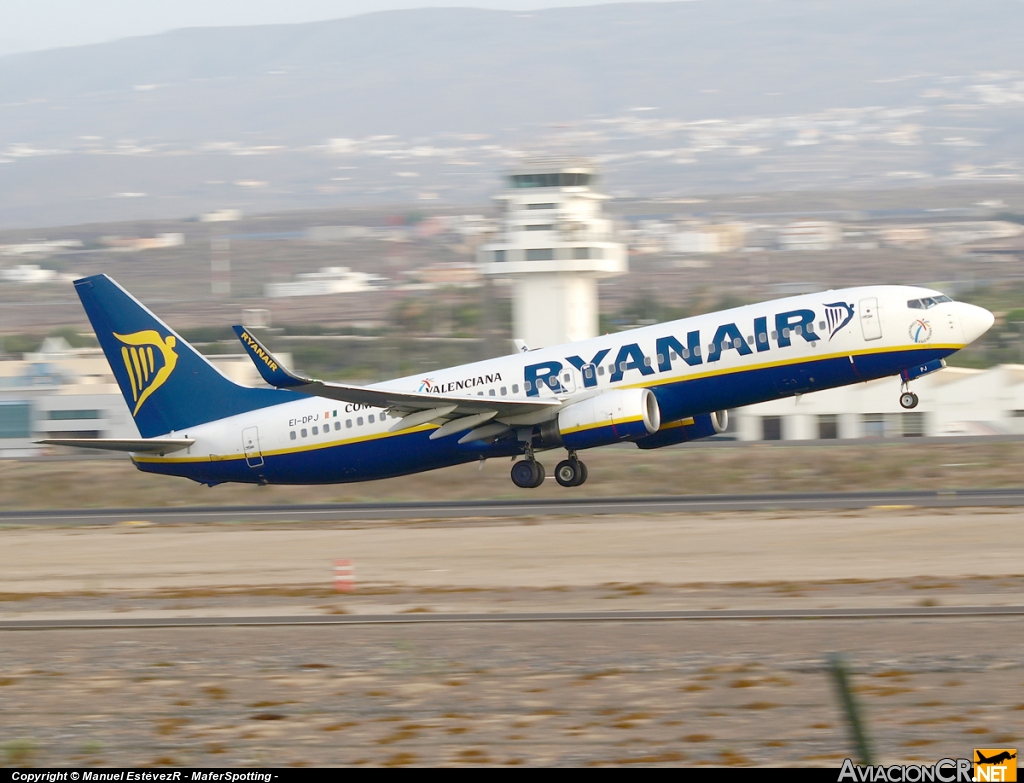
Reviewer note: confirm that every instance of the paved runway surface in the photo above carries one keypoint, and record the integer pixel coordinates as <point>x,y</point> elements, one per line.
<point>518,508</point>
<point>867,613</point>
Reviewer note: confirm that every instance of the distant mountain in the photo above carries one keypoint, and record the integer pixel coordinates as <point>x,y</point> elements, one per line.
<point>424,71</point>
<point>420,73</point>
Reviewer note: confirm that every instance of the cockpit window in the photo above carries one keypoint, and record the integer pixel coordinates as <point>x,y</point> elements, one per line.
<point>927,302</point>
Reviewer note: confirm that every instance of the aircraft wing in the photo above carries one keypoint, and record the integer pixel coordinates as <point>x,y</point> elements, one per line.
<point>139,445</point>
<point>446,405</point>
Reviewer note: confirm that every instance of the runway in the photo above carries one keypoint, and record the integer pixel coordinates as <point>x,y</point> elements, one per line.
<point>463,509</point>
<point>866,613</point>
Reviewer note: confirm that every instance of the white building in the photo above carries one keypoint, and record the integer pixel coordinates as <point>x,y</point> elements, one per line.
<point>27,274</point>
<point>554,245</point>
<point>329,280</point>
<point>708,239</point>
<point>44,247</point>
<point>810,235</point>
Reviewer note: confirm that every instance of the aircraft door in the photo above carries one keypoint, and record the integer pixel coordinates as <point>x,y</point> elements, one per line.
<point>251,447</point>
<point>870,324</point>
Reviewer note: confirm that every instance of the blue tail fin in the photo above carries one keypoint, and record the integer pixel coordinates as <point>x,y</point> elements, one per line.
<point>168,385</point>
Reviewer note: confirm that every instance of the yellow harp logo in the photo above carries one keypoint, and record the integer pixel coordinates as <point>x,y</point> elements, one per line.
<point>147,368</point>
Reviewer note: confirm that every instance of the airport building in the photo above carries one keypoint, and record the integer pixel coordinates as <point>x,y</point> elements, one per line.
<point>329,280</point>
<point>553,246</point>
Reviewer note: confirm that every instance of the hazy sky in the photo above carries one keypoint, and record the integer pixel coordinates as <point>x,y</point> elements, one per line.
<point>27,25</point>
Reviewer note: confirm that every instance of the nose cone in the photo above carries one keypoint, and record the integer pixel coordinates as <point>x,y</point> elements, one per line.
<point>975,321</point>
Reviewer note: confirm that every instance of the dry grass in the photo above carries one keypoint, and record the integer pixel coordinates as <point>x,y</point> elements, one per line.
<point>215,692</point>
<point>400,760</point>
<point>591,676</point>
<point>667,757</point>
<point>168,726</point>
<point>345,724</point>
<point>474,756</point>
<point>744,683</point>
<point>732,758</point>
<point>698,738</point>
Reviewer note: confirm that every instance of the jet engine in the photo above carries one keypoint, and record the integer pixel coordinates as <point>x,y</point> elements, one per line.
<point>623,414</point>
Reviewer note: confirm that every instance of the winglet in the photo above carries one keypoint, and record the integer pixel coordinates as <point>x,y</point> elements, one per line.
<point>269,367</point>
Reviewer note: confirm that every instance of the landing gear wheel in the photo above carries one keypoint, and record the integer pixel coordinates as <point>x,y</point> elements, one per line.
<point>909,400</point>
<point>523,474</point>
<point>583,474</point>
<point>527,474</point>
<point>538,473</point>
<point>569,473</point>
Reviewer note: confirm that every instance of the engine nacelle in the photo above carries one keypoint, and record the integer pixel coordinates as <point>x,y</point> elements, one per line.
<point>623,414</point>
<point>703,426</point>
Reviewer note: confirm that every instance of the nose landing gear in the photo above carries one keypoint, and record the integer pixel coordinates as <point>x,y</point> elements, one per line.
<point>908,400</point>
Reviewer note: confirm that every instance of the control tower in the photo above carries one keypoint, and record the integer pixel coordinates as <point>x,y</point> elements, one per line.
<point>554,245</point>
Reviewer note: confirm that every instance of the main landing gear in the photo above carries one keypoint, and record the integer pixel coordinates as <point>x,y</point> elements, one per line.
<point>529,473</point>
<point>570,472</point>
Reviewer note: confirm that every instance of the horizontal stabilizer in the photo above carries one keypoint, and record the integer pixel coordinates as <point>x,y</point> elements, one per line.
<point>138,445</point>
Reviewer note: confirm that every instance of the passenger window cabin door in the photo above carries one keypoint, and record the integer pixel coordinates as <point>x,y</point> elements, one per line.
<point>870,324</point>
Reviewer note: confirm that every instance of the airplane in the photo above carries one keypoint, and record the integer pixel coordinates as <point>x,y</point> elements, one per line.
<point>653,386</point>
<point>996,759</point>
